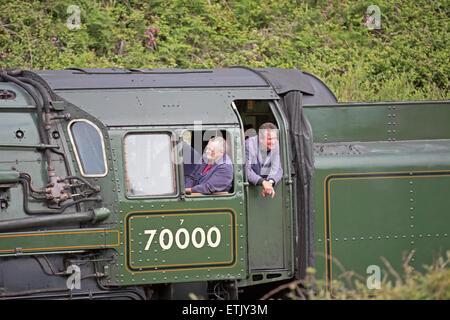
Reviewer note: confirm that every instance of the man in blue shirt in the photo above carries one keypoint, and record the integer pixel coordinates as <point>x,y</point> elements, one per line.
<point>263,159</point>
<point>215,174</point>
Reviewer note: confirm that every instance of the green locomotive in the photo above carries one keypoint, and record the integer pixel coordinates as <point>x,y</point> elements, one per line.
<point>92,189</point>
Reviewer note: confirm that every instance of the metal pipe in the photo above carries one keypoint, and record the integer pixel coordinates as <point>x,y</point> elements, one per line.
<point>37,101</point>
<point>30,146</point>
<point>41,109</point>
<point>44,93</point>
<point>27,210</point>
<point>49,220</point>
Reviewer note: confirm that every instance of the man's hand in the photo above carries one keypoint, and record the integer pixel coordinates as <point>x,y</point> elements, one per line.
<point>188,191</point>
<point>267,189</point>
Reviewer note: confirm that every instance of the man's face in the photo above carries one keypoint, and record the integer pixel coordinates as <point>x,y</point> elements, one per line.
<point>268,139</point>
<point>211,153</point>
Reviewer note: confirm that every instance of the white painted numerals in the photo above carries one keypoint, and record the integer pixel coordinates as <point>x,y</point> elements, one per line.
<point>198,238</point>
<point>150,239</point>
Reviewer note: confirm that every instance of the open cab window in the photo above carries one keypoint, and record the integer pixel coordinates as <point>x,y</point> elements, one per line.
<point>89,147</point>
<point>149,164</point>
<point>194,150</point>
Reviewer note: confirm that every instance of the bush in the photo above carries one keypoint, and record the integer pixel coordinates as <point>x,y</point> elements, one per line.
<point>433,284</point>
<point>406,59</point>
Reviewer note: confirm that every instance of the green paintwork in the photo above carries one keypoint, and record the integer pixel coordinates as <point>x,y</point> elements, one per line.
<point>162,107</point>
<point>380,121</point>
<point>379,196</point>
<point>61,240</point>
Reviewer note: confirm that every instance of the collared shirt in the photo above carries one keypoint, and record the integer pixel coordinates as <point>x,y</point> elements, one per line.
<point>261,164</point>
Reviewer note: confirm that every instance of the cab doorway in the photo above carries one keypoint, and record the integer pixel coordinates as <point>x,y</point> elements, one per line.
<point>268,218</point>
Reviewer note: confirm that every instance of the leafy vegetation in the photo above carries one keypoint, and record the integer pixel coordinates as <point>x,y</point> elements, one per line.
<point>405,59</point>
<point>433,284</point>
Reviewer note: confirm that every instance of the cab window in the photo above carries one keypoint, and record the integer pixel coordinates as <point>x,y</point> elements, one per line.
<point>149,164</point>
<point>89,148</point>
<point>194,143</point>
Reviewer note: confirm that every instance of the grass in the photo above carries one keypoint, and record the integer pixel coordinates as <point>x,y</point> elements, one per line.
<point>432,284</point>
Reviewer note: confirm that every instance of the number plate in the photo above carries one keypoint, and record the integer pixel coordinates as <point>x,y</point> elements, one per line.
<point>162,241</point>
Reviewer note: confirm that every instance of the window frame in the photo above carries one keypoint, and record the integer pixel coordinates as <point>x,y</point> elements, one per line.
<point>77,156</point>
<point>229,194</point>
<point>175,172</point>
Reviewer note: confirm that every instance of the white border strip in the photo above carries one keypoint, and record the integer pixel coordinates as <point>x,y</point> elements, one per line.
<point>76,150</point>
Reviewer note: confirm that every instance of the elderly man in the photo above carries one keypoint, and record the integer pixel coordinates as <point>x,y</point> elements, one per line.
<point>263,159</point>
<point>216,174</point>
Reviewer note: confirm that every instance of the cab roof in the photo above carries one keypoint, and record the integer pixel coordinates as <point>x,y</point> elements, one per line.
<point>100,92</point>
<point>281,80</point>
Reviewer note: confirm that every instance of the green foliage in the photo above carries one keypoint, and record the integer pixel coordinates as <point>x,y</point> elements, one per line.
<point>433,284</point>
<point>406,59</point>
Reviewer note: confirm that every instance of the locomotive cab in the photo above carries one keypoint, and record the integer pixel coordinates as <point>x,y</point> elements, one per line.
<point>123,142</point>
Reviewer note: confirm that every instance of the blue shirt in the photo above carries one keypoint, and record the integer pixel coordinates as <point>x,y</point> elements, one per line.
<point>260,164</point>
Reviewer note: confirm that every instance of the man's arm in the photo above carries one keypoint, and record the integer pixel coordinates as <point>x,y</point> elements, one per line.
<point>221,180</point>
<point>192,179</point>
<point>251,158</point>
<point>276,171</point>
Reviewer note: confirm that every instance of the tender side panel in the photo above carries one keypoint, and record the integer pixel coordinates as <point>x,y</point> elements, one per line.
<point>379,198</point>
<point>384,121</point>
